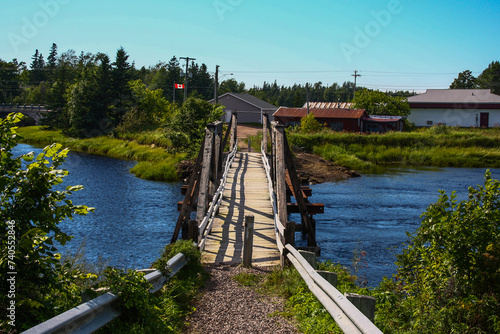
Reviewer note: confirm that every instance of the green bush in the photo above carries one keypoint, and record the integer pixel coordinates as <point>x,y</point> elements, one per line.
<point>448,279</point>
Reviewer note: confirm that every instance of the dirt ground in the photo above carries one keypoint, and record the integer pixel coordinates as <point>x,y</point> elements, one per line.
<point>312,169</point>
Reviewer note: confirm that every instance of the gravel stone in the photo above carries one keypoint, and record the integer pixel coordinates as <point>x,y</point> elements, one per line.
<point>228,307</point>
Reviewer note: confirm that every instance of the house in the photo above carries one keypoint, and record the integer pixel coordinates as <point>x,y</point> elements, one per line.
<point>250,109</point>
<point>455,107</point>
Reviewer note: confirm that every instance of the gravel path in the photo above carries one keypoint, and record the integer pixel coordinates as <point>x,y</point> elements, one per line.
<point>228,307</point>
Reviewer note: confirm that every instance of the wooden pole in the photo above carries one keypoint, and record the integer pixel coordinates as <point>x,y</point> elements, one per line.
<point>264,132</point>
<point>248,241</point>
<point>205,176</point>
<point>234,130</point>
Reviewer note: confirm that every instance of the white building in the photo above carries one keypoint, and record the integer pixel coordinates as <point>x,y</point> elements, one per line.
<point>455,107</point>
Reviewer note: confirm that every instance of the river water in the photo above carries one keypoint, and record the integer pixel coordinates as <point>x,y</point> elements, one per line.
<point>134,218</point>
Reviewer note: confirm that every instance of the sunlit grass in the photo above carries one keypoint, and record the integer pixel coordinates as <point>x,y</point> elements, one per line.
<point>154,162</point>
<point>445,147</point>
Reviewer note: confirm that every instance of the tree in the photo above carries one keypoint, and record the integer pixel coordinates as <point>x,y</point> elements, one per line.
<point>309,124</point>
<point>465,80</point>
<point>9,81</point>
<point>121,74</point>
<point>187,127</point>
<point>37,74</point>
<point>30,212</point>
<point>490,78</point>
<point>149,111</point>
<point>448,279</point>
<point>231,86</point>
<point>380,103</point>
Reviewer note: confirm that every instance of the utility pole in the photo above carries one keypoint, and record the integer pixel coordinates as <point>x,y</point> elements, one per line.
<point>355,75</point>
<point>216,86</point>
<point>187,76</point>
<point>307,97</point>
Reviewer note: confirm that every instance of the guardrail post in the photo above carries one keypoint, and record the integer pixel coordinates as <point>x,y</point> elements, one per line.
<point>248,241</point>
<point>193,231</point>
<point>310,258</point>
<point>290,233</point>
<point>366,304</point>
<point>329,276</point>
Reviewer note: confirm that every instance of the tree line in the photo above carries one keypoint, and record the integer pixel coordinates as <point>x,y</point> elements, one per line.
<point>93,94</point>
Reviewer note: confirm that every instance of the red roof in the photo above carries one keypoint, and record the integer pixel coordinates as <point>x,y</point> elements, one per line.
<point>320,112</point>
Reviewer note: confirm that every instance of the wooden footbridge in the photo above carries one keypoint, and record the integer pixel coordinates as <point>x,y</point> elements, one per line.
<point>244,211</point>
<point>236,210</point>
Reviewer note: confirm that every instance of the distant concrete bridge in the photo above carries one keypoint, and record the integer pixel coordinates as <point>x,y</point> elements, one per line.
<point>33,111</point>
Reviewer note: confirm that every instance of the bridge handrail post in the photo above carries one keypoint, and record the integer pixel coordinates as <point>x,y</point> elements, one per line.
<point>216,128</point>
<point>234,130</point>
<point>280,183</point>
<point>264,133</point>
<point>205,175</point>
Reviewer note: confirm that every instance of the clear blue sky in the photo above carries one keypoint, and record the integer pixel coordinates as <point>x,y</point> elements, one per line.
<point>393,44</point>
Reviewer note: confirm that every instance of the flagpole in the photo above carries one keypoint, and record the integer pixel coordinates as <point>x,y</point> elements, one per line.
<point>174,92</point>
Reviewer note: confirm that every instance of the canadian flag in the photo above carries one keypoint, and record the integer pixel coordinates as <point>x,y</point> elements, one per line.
<point>179,86</point>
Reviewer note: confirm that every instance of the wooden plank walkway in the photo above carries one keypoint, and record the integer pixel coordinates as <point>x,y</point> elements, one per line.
<point>246,193</point>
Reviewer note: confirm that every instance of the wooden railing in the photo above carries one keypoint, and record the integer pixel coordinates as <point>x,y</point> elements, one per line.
<point>280,172</point>
<point>207,182</point>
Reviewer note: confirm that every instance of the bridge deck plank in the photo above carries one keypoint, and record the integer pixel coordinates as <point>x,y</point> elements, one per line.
<point>246,193</point>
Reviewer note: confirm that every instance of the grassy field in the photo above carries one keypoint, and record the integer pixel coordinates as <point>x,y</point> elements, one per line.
<point>439,147</point>
<point>148,148</point>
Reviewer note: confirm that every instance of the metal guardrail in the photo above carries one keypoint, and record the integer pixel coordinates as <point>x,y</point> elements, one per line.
<point>98,312</point>
<point>345,314</point>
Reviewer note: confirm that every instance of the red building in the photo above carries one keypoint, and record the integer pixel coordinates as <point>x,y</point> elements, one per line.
<point>337,119</point>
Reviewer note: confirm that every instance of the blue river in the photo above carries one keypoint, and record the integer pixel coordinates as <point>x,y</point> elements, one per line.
<point>134,218</point>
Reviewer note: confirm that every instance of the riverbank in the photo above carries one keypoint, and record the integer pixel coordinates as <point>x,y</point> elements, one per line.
<point>153,161</point>
<point>436,147</point>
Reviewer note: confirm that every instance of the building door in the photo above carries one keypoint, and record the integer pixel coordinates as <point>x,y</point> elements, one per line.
<point>484,120</point>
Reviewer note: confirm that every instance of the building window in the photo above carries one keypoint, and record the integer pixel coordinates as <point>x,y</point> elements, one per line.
<point>337,126</point>
<point>429,122</point>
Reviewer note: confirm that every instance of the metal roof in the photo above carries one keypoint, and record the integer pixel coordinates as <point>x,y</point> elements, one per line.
<point>320,112</point>
<point>329,105</point>
<point>251,100</point>
<point>468,96</point>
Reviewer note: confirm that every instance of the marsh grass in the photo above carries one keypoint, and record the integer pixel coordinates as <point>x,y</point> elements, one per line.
<point>154,162</point>
<point>439,147</point>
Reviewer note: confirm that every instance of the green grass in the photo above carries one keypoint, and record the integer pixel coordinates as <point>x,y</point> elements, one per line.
<point>300,304</point>
<point>443,147</point>
<point>154,162</point>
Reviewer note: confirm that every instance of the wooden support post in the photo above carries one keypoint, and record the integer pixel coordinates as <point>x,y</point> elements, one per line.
<point>290,233</point>
<point>264,132</point>
<point>216,161</point>
<point>193,231</point>
<point>248,241</point>
<point>329,276</point>
<point>280,188</point>
<point>204,177</point>
<point>299,196</point>
<point>310,258</point>
<point>234,130</point>
<point>366,304</point>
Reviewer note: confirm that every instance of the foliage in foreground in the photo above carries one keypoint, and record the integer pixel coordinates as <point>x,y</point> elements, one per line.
<point>165,311</point>
<point>448,278</point>
<point>30,212</point>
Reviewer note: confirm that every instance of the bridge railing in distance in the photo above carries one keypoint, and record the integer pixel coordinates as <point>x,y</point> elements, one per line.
<point>98,312</point>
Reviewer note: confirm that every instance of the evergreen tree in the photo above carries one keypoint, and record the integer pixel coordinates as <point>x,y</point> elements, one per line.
<point>9,81</point>
<point>37,66</point>
<point>490,78</point>
<point>121,74</point>
<point>465,80</point>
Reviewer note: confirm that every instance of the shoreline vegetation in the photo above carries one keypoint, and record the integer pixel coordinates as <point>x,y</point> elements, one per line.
<point>439,146</point>
<point>148,148</point>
